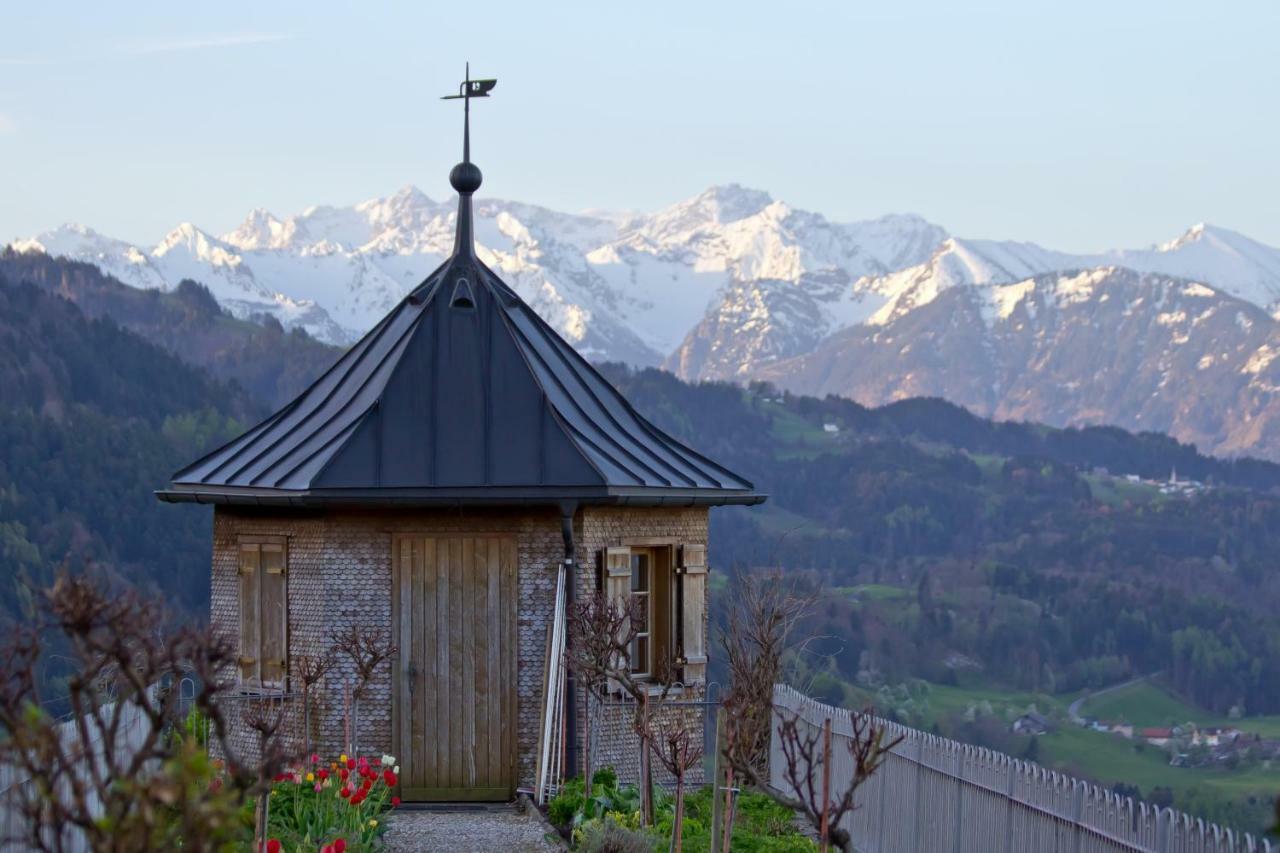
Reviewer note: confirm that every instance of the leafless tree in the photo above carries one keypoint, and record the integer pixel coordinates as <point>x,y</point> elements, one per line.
<point>114,774</point>
<point>367,649</point>
<point>763,614</point>
<point>760,631</point>
<point>804,750</point>
<point>679,750</point>
<point>265,719</point>
<point>311,670</point>
<point>601,632</point>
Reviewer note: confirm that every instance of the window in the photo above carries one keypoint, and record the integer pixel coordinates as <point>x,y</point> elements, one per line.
<point>264,618</point>
<point>668,583</point>
<point>651,588</point>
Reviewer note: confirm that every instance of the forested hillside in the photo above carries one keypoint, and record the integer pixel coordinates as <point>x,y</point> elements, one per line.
<point>93,419</point>
<point>1002,548</point>
<point>271,364</point>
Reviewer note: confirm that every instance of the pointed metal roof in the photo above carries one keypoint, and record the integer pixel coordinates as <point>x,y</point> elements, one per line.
<point>462,394</point>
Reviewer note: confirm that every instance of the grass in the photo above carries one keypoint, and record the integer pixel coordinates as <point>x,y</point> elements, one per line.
<point>1143,704</point>
<point>1148,703</point>
<point>945,699</point>
<point>1116,491</point>
<point>800,438</point>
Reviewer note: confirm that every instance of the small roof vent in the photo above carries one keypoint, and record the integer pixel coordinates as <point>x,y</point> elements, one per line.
<point>462,297</point>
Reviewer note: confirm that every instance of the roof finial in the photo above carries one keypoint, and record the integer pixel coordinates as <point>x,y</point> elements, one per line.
<point>466,177</point>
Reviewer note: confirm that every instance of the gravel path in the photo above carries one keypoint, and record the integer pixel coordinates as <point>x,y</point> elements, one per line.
<point>467,830</point>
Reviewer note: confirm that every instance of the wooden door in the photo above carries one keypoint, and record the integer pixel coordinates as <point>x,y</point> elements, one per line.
<point>454,693</point>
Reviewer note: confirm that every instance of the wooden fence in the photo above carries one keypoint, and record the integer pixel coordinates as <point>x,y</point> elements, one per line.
<point>941,795</point>
<point>16,787</point>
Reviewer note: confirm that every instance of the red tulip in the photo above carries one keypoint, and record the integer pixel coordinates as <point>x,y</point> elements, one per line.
<point>273,845</point>
<point>340,845</point>
<point>389,777</point>
<point>395,801</point>
<point>344,773</point>
<point>345,792</point>
<point>328,848</point>
<point>351,764</point>
<point>323,774</point>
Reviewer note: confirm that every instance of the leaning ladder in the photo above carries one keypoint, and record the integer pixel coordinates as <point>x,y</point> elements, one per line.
<point>551,750</point>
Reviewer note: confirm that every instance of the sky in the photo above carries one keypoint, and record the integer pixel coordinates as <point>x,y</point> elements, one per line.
<point>1078,125</point>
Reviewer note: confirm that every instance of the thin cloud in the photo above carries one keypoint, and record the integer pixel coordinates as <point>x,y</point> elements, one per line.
<point>177,45</point>
<point>6,125</point>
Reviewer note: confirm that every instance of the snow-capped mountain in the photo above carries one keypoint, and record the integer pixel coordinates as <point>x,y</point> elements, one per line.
<point>1104,345</point>
<point>729,284</point>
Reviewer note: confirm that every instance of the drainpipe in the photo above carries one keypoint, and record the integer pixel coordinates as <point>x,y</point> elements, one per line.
<point>567,511</point>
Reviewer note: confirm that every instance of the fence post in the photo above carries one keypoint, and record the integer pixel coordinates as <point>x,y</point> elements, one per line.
<point>825,828</point>
<point>959,775</point>
<point>916,816</point>
<point>1077,818</point>
<point>880,781</point>
<point>1009,776</point>
<point>1163,830</point>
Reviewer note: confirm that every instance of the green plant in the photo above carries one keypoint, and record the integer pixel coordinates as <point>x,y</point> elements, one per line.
<point>610,820</point>
<point>608,836</point>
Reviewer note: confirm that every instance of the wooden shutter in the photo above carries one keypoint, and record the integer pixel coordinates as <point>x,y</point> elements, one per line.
<point>693,595</point>
<point>250,622</point>
<point>274,613</point>
<point>617,570</point>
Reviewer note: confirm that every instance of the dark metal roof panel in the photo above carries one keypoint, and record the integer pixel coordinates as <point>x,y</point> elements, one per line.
<point>458,398</point>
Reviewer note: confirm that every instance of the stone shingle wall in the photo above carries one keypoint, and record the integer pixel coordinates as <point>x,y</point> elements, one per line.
<point>615,742</point>
<point>339,574</point>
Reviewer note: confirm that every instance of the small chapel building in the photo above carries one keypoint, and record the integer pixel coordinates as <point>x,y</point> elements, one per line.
<point>434,484</point>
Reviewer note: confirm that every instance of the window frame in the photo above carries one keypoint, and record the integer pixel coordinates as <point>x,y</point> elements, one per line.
<point>661,592</point>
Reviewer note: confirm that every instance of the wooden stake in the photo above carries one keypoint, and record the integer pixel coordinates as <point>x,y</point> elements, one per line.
<point>646,777</point>
<point>826,781</point>
<point>346,718</point>
<point>728,811</point>
<point>717,785</point>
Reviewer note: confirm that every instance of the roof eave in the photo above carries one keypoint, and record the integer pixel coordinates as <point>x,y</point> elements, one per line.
<point>475,496</point>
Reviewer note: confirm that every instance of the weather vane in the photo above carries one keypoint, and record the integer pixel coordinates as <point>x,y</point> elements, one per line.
<point>467,90</point>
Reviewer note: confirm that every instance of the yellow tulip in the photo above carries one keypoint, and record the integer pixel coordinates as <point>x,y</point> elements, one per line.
<point>311,777</point>
<point>342,759</point>
<point>372,823</point>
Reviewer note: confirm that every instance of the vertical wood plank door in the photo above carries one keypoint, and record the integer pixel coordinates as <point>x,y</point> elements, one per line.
<point>453,605</point>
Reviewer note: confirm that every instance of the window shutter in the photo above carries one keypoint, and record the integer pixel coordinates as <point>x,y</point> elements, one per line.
<point>250,646</point>
<point>274,611</point>
<point>693,594</point>
<point>617,569</point>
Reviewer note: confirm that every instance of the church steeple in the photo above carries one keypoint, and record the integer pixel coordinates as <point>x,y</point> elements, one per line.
<point>465,177</point>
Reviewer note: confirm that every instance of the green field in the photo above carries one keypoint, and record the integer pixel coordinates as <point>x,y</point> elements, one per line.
<point>1148,704</point>
<point>1115,491</point>
<point>1143,704</point>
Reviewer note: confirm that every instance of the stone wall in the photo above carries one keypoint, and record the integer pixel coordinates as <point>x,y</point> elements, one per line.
<point>339,574</point>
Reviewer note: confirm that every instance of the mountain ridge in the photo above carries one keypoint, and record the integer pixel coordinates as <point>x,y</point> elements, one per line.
<point>730,283</point>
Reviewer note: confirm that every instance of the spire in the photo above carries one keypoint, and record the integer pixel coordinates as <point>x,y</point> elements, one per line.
<point>465,177</point>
